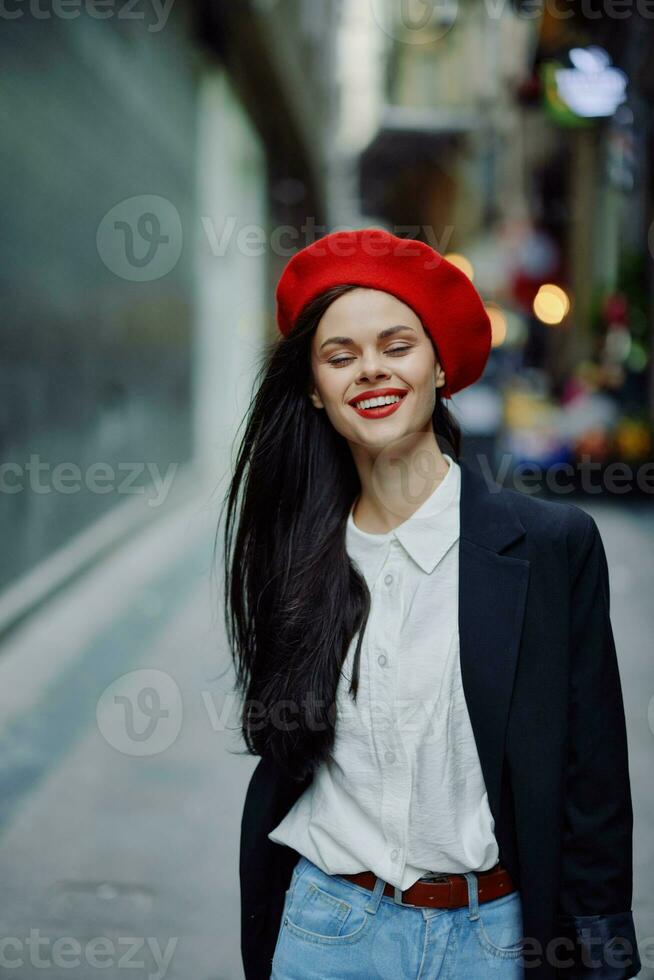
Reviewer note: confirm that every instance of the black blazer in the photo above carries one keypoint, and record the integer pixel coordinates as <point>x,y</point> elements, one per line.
<point>541,682</point>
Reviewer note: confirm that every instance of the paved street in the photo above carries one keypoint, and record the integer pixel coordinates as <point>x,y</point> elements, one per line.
<point>119,818</point>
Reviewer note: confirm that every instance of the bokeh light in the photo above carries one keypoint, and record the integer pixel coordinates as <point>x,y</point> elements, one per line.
<point>551,304</point>
<point>498,324</point>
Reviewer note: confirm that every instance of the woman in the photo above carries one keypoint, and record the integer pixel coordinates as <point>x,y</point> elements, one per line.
<point>427,658</point>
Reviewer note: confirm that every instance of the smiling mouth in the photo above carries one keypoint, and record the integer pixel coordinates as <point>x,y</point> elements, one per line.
<point>380,407</point>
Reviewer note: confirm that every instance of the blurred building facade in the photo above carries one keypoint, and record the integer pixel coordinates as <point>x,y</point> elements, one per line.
<point>154,168</point>
<point>446,154</point>
<point>517,139</point>
<point>588,108</point>
<point>96,363</point>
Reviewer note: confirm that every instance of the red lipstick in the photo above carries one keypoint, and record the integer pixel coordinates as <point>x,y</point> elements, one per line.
<point>380,411</point>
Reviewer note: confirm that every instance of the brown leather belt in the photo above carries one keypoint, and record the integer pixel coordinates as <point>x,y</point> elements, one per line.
<point>446,891</point>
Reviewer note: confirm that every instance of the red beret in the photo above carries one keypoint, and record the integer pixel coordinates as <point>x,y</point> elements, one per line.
<point>440,294</point>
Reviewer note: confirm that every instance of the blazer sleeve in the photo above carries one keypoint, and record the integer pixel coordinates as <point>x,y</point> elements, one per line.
<point>594,914</point>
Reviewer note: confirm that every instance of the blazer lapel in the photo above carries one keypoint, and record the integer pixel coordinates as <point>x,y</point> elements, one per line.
<point>492,596</point>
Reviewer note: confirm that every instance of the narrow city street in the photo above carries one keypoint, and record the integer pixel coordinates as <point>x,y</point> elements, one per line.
<point>122,792</point>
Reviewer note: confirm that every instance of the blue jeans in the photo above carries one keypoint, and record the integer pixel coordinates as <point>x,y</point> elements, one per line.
<point>332,928</point>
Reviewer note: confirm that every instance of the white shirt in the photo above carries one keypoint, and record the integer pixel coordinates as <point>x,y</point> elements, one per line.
<point>402,792</point>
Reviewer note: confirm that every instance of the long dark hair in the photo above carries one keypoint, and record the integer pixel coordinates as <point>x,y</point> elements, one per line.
<point>293,599</point>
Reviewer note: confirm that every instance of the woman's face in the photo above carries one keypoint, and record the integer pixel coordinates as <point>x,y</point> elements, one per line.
<point>368,342</point>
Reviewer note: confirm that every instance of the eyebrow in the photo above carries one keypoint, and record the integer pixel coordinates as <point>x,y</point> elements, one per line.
<point>387,332</point>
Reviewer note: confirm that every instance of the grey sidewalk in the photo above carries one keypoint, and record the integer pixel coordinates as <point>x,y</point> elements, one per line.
<point>106,830</point>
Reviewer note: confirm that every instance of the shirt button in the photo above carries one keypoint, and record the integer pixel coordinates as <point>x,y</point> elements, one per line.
<point>395,854</point>
<point>381,659</point>
<point>388,579</point>
<point>389,756</point>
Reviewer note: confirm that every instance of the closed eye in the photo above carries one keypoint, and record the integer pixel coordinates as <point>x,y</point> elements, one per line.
<point>339,361</point>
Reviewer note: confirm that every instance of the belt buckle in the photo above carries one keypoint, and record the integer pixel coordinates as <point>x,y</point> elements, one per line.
<point>397,898</point>
<point>433,876</point>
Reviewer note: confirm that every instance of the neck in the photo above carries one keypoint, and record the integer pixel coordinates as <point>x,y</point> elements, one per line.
<point>396,481</point>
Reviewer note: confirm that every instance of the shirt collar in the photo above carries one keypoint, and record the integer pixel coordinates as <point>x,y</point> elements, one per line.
<point>426,536</point>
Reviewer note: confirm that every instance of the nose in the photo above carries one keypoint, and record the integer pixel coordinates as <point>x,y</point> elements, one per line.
<point>372,367</point>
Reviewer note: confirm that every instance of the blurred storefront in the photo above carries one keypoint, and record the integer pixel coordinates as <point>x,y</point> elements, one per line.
<point>586,397</point>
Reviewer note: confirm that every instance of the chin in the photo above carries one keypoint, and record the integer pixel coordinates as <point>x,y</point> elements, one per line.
<point>384,436</point>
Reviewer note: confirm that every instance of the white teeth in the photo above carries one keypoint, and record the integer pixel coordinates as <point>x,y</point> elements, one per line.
<point>375,402</point>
